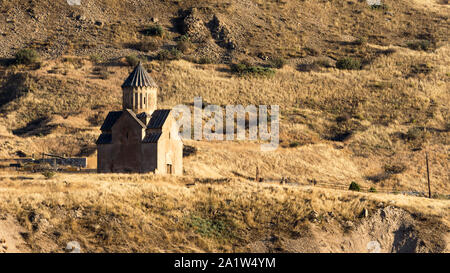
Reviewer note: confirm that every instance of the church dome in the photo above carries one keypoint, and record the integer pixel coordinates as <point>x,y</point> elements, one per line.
<point>139,78</point>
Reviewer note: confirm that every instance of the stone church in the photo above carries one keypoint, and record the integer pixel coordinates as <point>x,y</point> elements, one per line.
<point>140,138</point>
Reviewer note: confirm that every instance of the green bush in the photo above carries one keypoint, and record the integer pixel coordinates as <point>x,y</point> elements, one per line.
<point>155,30</point>
<point>414,133</point>
<point>354,186</point>
<point>211,227</point>
<point>294,144</point>
<point>394,168</point>
<point>419,45</point>
<point>132,60</point>
<point>244,69</point>
<point>277,63</point>
<point>95,59</point>
<point>167,55</point>
<point>48,174</point>
<point>27,56</point>
<point>205,60</point>
<point>372,189</point>
<point>349,63</point>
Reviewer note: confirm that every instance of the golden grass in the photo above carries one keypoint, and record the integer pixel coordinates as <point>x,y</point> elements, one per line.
<point>137,213</point>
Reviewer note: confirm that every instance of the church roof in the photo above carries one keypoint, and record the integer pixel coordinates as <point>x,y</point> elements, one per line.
<point>111,118</point>
<point>104,139</point>
<point>132,114</point>
<point>139,78</point>
<point>152,138</point>
<point>158,119</point>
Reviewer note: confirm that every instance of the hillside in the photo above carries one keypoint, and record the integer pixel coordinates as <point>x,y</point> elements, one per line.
<point>144,213</point>
<point>363,93</point>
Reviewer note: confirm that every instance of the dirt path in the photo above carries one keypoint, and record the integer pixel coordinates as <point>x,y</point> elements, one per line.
<point>10,239</point>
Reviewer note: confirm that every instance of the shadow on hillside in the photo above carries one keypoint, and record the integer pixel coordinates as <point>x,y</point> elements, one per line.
<point>37,127</point>
<point>13,88</point>
<point>6,61</point>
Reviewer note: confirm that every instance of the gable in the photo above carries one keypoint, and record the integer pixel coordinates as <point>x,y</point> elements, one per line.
<point>110,120</point>
<point>130,118</point>
<point>158,119</point>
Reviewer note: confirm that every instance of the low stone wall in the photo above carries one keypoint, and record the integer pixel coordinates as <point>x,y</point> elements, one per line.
<point>80,162</point>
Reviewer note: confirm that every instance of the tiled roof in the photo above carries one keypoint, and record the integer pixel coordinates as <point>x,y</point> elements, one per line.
<point>111,118</point>
<point>104,139</point>
<point>158,119</point>
<point>139,78</point>
<point>136,118</point>
<point>142,115</point>
<point>152,138</point>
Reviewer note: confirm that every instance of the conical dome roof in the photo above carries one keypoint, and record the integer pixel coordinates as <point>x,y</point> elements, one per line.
<point>139,78</point>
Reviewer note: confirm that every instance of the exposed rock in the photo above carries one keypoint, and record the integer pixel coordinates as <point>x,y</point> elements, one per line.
<point>73,247</point>
<point>222,33</point>
<point>364,213</point>
<point>313,215</point>
<point>194,27</point>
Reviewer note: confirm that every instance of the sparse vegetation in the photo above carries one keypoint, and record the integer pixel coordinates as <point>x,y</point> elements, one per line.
<point>95,59</point>
<point>27,56</point>
<point>48,174</point>
<point>394,168</point>
<point>367,128</point>
<point>354,186</point>
<point>154,30</point>
<point>147,44</point>
<point>168,55</point>
<point>383,7</point>
<point>349,64</point>
<point>245,69</point>
<point>277,62</point>
<point>132,60</point>
<point>424,45</point>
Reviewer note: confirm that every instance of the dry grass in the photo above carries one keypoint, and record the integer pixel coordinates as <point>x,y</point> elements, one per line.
<point>129,213</point>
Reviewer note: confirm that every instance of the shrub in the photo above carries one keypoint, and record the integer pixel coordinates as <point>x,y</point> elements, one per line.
<point>422,68</point>
<point>394,168</point>
<point>184,45</point>
<point>244,69</point>
<point>419,45</point>
<point>172,54</point>
<point>414,134</point>
<point>349,63</point>
<point>146,45</point>
<point>48,174</point>
<point>379,7</point>
<point>360,41</point>
<point>205,60</point>
<point>372,189</point>
<point>95,59</point>
<point>155,30</point>
<point>277,62</point>
<point>354,186</point>
<point>27,56</point>
<point>294,144</point>
<point>132,60</point>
